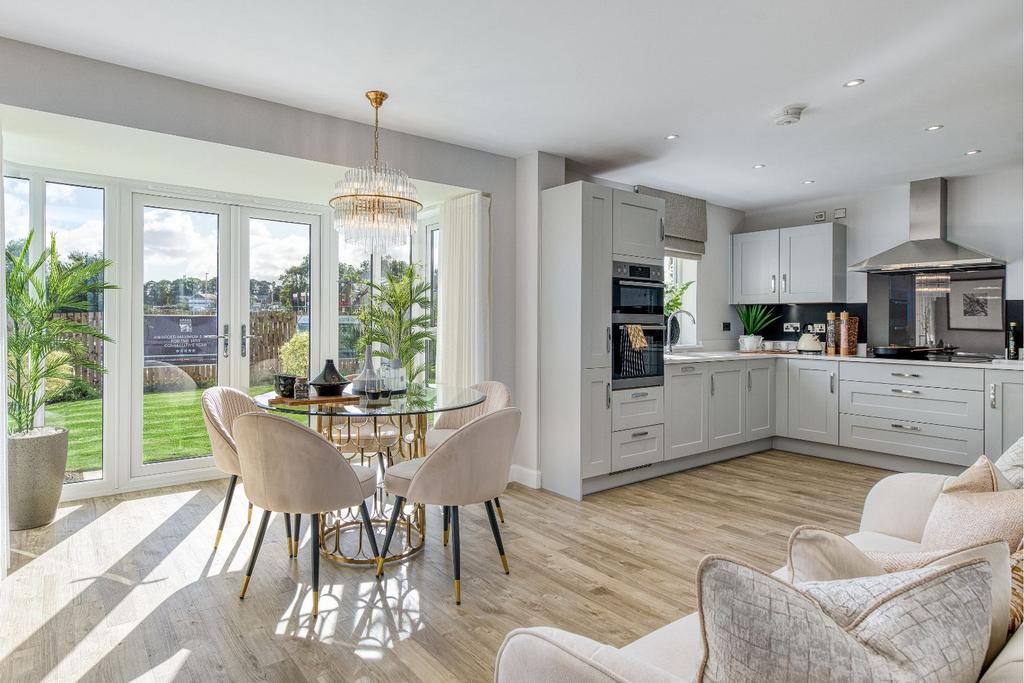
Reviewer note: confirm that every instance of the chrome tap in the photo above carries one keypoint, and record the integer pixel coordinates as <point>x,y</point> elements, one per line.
<point>668,326</point>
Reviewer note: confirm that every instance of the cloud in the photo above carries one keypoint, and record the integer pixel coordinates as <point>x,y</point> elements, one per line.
<point>177,243</point>
<point>274,247</point>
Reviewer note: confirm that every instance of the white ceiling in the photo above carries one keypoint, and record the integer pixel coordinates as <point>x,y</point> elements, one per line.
<point>603,83</point>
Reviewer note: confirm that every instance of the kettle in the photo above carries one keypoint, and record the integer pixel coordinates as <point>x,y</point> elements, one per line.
<point>809,342</point>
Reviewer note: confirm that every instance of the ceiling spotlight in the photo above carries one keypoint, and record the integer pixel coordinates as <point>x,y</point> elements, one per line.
<point>934,127</point>
<point>972,152</point>
<point>759,165</point>
<point>673,136</point>
<point>808,182</point>
<point>854,83</point>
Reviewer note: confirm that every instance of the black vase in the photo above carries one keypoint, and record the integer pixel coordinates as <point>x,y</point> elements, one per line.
<point>329,382</point>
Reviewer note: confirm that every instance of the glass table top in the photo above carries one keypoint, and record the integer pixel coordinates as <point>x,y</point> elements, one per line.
<point>418,399</point>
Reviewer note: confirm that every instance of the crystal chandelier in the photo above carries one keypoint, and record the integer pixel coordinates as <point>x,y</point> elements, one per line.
<point>375,206</point>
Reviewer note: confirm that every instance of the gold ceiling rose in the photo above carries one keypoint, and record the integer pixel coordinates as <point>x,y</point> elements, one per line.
<point>375,206</point>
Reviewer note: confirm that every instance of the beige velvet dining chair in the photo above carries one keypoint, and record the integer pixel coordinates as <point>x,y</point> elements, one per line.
<point>471,466</point>
<point>290,468</point>
<point>221,406</point>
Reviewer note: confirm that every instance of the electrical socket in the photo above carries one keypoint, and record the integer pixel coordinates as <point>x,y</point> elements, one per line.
<point>726,327</point>
<point>790,327</point>
<point>819,327</point>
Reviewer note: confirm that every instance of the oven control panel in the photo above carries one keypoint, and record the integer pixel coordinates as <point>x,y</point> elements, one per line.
<point>637,271</point>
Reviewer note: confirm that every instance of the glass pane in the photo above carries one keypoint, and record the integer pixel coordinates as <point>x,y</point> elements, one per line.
<point>278,301</point>
<point>681,295</point>
<point>354,267</point>
<point>181,322</point>
<point>74,219</point>
<point>16,217</point>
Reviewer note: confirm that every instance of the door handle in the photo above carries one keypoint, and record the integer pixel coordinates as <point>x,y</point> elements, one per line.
<point>750,382</point>
<point>712,384</point>
<point>245,339</point>
<point>905,391</point>
<point>661,223</point>
<point>773,284</point>
<point>783,282</point>
<point>832,382</point>
<point>640,394</point>
<point>909,428</point>
<point>992,394</point>
<point>904,374</point>
<point>608,395</point>
<point>608,340</point>
<point>637,435</point>
<point>226,337</point>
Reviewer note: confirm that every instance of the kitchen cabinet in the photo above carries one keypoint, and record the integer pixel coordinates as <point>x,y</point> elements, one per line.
<point>638,226</point>
<point>760,422</point>
<point>596,423</point>
<point>802,264</point>
<point>596,249</point>
<point>686,410</point>
<point>938,443</point>
<point>814,401</point>
<point>727,403</point>
<point>638,407</point>
<point>1004,410</point>
<point>638,447</point>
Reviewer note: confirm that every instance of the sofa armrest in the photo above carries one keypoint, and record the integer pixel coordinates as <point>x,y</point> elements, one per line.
<point>549,654</point>
<point>899,505</point>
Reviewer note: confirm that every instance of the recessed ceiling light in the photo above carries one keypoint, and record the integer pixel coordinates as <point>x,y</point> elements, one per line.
<point>934,126</point>
<point>673,136</point>
<point>854,83</point>
<point>808,182</point>
<point>760,165</point>
<point>972,152</point>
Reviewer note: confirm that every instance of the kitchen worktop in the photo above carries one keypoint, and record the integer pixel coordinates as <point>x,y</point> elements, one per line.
<point>709,356</point>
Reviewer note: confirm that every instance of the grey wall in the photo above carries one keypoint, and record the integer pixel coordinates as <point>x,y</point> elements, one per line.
<point>984,212</point>
<point>47,80</point>
<point>714,280</point>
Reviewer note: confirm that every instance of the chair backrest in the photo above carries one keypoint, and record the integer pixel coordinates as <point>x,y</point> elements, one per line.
<point>290,468</point>
<point>498,396</point>
<point>472,465</point>
<point>221,406</point>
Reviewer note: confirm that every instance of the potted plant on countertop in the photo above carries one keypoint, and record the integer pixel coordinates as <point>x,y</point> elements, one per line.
<point>754,317</point>
<point>43,348</point>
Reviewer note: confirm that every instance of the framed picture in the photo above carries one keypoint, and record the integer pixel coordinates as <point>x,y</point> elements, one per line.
<point>976,304</point>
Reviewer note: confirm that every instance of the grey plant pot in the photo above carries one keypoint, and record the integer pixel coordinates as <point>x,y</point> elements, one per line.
<point>36,461</point>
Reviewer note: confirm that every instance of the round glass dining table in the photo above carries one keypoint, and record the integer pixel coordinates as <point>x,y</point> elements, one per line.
<point>376,433</point>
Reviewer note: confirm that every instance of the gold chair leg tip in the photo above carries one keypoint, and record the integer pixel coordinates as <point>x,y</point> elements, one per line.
<point>501,516</point>
<point>245,587</point>
<point>216,541</point>
<point>380,566</point>
<point>504,563</point>
<point>458,592</point>
<point>316,604</point>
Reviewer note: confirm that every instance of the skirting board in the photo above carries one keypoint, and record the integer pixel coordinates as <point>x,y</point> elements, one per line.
<point>525,476</point>
<point>659,469</point>
<point>884,461</point>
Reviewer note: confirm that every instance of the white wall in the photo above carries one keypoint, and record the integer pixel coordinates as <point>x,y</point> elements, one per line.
<point>984,213</point>
<point>714,283</point>
<point>57,82</point>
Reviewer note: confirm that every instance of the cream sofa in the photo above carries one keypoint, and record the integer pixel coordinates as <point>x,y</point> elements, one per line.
<point>895,513</point>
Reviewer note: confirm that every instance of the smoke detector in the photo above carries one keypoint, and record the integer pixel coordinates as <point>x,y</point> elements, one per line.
<point>789,115</point>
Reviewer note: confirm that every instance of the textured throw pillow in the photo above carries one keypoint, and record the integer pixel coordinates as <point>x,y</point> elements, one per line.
<point>1011,463</point>
<point>817,554</point>
<point>927,624</point>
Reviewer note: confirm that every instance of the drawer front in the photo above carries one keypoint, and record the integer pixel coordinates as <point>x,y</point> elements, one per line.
<point>638,407</point>
<point>914,375</point>
<point>636,447</point>
<point>951,407</point>
<point>953,445</point>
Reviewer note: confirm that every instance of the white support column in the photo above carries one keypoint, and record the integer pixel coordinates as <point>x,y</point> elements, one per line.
<point>535,172</point>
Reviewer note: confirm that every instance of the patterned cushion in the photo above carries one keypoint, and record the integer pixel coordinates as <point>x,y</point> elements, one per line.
<point>1011,463</point>
<point>929,624</point>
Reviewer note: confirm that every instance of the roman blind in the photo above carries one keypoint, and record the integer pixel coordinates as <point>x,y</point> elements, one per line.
<point>686,222</point>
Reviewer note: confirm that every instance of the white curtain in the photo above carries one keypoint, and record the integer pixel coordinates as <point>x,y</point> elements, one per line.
<point>464,296</point>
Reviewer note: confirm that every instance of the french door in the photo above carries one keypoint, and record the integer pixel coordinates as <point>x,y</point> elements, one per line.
<point>222,295</point>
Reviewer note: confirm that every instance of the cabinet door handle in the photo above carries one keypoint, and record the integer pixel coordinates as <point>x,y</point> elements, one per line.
<point>909,428</point>
<point>661,224</point>
<point>832,382</point>
<point>750,381</point>
<point>608,340</point>
<point>992,394</point>
<point>904,374</point>
<point>773,284</point>
<point>783,282</point>
<point>640,394</point>
<point>712,384</point>
<point>608,395</point>
<point>905,391</point>
<point>686,368</point>
<point>637,435</point>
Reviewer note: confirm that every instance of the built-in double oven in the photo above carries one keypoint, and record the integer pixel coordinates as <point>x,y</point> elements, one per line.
<point>638,325</point>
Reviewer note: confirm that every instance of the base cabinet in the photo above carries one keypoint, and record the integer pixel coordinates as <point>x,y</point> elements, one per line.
<point>1004,410</point>
<point>686,412</point>
<point>814,400</point>
<point>596,423</point>
<point>727,404</point>
<point>637,447</point>
<point>760,399</point>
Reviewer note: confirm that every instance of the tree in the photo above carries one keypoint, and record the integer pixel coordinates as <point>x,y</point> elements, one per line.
<point>294,280</point>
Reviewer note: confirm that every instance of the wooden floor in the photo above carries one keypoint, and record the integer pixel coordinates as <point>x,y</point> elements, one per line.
<point>128,588</point>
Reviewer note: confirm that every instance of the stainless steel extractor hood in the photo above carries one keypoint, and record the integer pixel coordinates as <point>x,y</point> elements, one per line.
<point>928,248</point>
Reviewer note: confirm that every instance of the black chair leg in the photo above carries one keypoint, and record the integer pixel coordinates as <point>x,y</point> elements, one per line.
<point>392,523</point>
<point>365,514</point>
<point>446,511</point>
<point>296,535</point>
<point>456,560</point>
<point>314,522</point>
<point>224,510</point>
<point>288,531</point>
<point>497,506</point>
<point>497,534</point>
<point>264,521</point>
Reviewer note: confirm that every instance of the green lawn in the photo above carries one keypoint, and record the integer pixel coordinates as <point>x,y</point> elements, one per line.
<point>172,428</point>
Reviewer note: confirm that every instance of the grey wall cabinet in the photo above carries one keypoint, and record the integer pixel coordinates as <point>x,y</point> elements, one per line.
<point>755,267</point>
<point>1004,410</point>
<point>638,226</point>
<point>802,264</point>
<point>814,400</point>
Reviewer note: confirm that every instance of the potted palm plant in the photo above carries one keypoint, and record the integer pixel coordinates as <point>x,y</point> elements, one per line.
<point>43,348</point>
<point>754,317</point>
<point>389,321</point>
